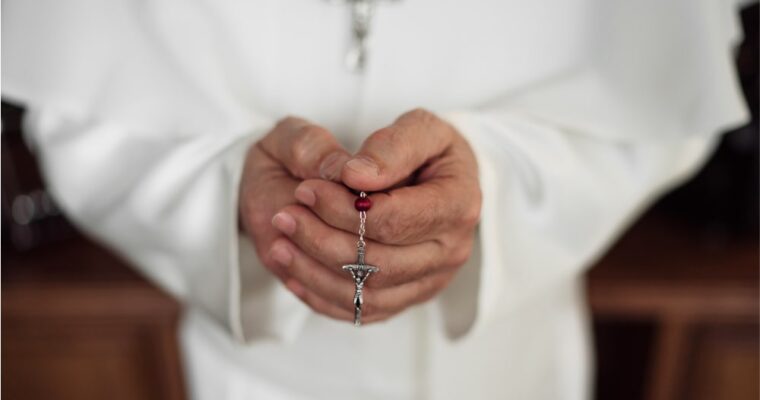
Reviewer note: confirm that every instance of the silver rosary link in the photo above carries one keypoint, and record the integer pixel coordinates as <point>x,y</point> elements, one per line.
<point>362,227</point>
<point>360,244</point>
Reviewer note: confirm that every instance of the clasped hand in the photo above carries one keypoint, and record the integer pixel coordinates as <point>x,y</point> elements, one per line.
<point>296,205</point>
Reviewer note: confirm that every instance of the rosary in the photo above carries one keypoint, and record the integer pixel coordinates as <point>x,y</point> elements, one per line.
<point>361,17</point>
<point>356,60</point>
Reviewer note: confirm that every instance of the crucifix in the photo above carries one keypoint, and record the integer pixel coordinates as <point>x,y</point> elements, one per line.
<point>361,17</point>
<point>360,272</point>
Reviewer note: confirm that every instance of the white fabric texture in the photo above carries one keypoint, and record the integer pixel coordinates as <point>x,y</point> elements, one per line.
<point>580,114</point>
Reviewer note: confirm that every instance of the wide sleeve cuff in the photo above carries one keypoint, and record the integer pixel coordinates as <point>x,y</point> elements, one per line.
<point>553,201</point>
<point>471,297</point>
<point>168,205</point>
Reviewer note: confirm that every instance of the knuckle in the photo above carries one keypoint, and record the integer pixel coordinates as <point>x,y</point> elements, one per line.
<point>427,293</point>
<point>402,226</point>
<point>288,122</point>
<point>389,143</point>
<point>380,279</point>
<point>373,309</point>
<point>434,286</point>
<point>369,310</point>
<point>311,131</point>
<point>393,231</point>
<point>385,231</point>
<point>370,304</point>
<point>317,307</point>
<point>317,244</point>
<point>398,306</point>
<point>384,133</point>
<point>427,119</point>
<point>461,254</point>
<point>470,214</point>
<point>309,280</point>
<point>385,136</point>
<point>270,264</point>
<point>419,113</point>
<point>422,117</point>
<point>304,142</point>
<point>430,292</point>
<point>347,304</point>
<point>299,148</point>
<point>391,275</point>
<point>258,218</point>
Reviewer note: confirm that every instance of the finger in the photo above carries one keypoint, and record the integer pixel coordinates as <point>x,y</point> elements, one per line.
<point>264,189</point>
<point>407,215</point>
<point>322,306</point>
<point>307,150</point>
<point>320,287</point>
<point>379,303</point>
<point>338,291</point>
<point>335,248</point>
<point>397,151</point>
<point>335,289</point>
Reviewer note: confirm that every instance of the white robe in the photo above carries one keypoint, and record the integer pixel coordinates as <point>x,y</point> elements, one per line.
<point>580,112</point>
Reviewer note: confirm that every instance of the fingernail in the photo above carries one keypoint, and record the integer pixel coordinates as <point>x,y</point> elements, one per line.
<point>363,166</point>
<point>284,222</point>
<point>332,165</point>
<point>295,287</point>
<point>281,254</point>
<point>305,195</point>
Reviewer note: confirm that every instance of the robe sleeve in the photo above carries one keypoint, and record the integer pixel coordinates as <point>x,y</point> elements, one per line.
<point>169,206</point>
<point>566,164</point>
<point>142,147</point>
<point>552,202</point>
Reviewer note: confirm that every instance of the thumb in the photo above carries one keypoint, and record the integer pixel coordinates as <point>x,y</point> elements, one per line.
<point>392,154</point>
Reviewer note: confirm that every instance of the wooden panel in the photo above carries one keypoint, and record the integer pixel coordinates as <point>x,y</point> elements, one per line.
<point>623,350</point>
<point>79,324</point>
<point>77,360</point>
<point>700,299</point>
<point>724,363</point>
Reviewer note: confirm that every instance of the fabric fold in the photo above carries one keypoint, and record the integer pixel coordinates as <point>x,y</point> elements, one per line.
<point>548,211</point>
<point>169,206</point>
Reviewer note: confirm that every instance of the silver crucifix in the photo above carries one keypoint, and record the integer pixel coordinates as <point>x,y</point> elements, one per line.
<point>361,17</point>
<point>360,272</point>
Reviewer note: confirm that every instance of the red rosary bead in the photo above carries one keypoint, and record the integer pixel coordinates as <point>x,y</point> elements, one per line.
<point>363,204</point>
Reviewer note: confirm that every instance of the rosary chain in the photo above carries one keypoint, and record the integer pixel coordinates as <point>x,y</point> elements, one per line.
<point>362,224</point>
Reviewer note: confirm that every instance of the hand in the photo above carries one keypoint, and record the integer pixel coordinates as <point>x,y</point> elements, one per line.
<point>423,180</point>
<point>292,151</point>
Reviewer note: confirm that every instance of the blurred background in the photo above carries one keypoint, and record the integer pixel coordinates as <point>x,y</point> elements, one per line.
<point>674,302</point>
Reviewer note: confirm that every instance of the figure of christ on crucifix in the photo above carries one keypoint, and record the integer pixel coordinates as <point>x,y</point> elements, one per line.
<point>360,272</point>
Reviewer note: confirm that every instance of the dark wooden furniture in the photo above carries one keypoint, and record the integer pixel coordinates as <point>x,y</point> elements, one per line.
<point>79,324</point>
<point>693,299</point>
